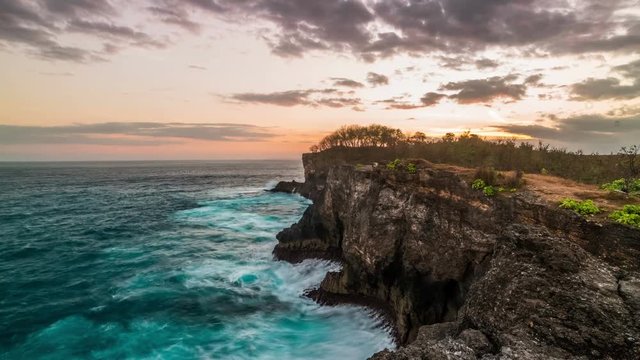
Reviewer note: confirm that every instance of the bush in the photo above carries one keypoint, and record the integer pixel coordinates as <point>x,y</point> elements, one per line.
<point>629,215</point>
<point>393,165</point>
<point>623,185</point>
<point>411,168</point>
<point>478,184</point>
<point>489,191</point>
<point>487,174</point>
<point>586,207</point>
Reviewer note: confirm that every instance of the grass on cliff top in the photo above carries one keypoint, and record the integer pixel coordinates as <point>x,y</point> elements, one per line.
<point>629,215</point>
<point>375,142</point>
<point>585,207</point>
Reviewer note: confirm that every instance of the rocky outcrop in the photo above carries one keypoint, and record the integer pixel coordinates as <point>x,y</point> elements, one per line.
<point>464,276</point>
<point>289,187</point>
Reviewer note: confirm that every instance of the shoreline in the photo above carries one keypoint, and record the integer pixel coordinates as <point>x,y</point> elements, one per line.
<point>429,256</point>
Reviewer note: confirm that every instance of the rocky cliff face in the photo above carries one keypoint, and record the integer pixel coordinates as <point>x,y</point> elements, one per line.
<point>463,276</point>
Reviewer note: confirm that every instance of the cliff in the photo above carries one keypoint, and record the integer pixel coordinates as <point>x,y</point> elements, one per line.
<point>465,276</point>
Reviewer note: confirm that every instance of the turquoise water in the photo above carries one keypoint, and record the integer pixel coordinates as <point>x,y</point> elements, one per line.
<point>162,260</point>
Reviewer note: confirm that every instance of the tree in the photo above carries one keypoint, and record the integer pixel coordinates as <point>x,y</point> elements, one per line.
<point>417,138</point>
<point>352,136</point>
<point>630,165</point>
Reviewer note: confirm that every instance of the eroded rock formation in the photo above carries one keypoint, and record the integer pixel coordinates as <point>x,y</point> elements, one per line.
<point>464,276</point>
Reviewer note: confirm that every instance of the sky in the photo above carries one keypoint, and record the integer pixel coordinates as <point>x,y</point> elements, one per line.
<point>260,79</point>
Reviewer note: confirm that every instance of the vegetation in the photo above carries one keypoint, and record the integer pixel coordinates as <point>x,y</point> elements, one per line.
<point>487,174</point>
<point>489,191</point>
<point>629,215</point>
<point>353,136</point>
<point>586,207</point>
<point>624,185</point>
<point>630,165</point>
<point>393,165</point>
<point>478,184</point>
<point>398,164</point>
<point>379,142</point>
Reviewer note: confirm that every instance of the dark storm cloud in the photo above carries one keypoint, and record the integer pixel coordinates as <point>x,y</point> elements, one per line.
<point>610,88</point>
<point>375,79</point>
<point>310,97</point>
<point>346,83</point>
<point>152,133</point>
<point>594,129</point>
<point>486,90</point>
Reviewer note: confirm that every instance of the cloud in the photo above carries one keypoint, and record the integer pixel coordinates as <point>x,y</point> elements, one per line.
<point>486,90</point>
<point>37,27</point>
<point>377,79</point>
<point>630,70</point>
<point>176,16</point>
<point>346,83</point>
<point>309,97</point>
<point>468,25</point>
<point>602,89</point>
<point>131,133</point>
<point>398,103</point>
<point>534,79</point>
<point>368,29</point>
<point>597,131</point>
<point>610,88</point>
<point>431,98</point>
<point>109,30</point>
<point>486,63</point>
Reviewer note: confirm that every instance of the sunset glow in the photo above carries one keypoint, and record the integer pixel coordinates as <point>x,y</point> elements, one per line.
<point>267,79</point>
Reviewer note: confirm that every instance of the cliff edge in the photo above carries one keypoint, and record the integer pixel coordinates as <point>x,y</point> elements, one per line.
<point>465,276</point>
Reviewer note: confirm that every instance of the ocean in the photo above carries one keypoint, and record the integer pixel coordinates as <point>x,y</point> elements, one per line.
<point>162,260</point>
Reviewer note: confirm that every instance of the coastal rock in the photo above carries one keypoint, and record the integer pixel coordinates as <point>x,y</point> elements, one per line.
<point>462,275</point>
<point>290,187</point>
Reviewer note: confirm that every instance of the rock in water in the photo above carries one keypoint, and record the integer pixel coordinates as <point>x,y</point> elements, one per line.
<point>290,187</point>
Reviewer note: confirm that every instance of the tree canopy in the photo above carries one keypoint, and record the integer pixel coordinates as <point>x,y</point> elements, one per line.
<point>352,136</point>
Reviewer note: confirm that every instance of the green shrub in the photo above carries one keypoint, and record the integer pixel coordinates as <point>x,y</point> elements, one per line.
<point>629,215</point>
<point>487,174</point>
<point>411,168</point>
<point>621,185</point>
<point>478,184</point>
<point>393,165</point>
<point>489,191</point>
<point>586,207</point>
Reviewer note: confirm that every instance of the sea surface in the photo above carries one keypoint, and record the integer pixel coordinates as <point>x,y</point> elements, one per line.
<point>162,260</point>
